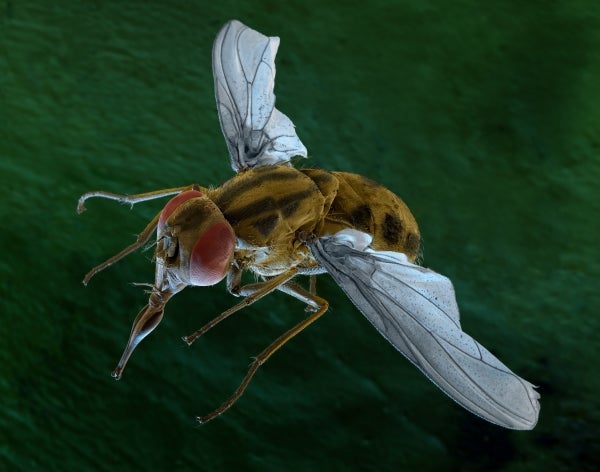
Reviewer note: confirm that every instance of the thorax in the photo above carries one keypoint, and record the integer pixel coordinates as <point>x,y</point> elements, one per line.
<point>268,207</point>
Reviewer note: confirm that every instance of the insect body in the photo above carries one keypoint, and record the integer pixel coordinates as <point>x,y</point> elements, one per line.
<point>281,222</point>
<point>270,206</point>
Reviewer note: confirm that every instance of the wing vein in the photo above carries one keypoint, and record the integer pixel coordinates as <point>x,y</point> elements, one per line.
<point>415,310</point>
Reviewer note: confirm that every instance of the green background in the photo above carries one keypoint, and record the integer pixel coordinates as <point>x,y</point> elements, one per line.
<point>483,116</point>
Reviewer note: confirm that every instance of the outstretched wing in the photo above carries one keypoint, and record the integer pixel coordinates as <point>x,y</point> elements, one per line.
<point>244,70</point>
<point>415,309</point>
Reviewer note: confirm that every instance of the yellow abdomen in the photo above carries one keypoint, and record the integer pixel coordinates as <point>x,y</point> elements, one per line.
<point>269,206</point>
<point>368,206</point>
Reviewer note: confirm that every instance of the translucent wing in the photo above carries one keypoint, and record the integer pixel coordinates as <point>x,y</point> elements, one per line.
<point>244,70</point>
<point>415,309</point>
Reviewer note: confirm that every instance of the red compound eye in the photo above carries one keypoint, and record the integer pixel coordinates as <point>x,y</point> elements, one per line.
<point>212,255</point>
<point>174,203</point>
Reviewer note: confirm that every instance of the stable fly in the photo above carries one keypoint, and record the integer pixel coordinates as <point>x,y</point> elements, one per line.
<point>281,222</point>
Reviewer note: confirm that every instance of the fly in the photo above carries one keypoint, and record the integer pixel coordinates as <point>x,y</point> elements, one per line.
<point>280,222</point>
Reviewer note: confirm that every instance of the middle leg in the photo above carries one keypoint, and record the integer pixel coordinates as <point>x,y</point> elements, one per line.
<point>256,292</point>
<point>296,291</point>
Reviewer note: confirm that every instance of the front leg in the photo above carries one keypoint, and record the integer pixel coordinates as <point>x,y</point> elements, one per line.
<point>145,235</point>
<point>234,278</point>
<point>256,292</point>
<point>132,199</point>
<point>142,239</point>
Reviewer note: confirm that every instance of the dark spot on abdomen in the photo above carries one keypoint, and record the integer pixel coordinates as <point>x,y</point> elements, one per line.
<point>392,228</point>
<point>362,218</point>
<point>413,241</point>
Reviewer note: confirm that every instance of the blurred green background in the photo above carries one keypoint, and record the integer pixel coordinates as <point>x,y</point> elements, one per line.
<point>483,116</point>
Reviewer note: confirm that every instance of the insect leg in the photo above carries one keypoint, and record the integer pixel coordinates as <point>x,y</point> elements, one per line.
<point>258,291</point>
<point>234,279</point>
<point>142,239</point>
<point>298,292</point>
<point>312,288</point>
<point>132,199</point>
<point>313,285</point>
<point>271,349</point>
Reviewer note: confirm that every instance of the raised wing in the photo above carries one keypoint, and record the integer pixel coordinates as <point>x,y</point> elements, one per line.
<point>415,310</point>
<point>256,132</point>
